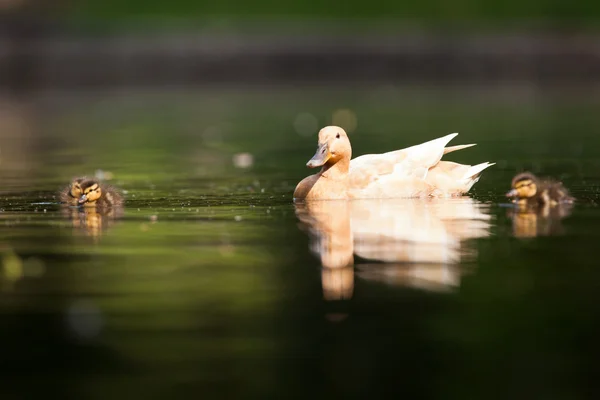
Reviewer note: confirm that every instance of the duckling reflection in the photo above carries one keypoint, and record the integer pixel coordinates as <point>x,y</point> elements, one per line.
<point>417,242</point>
<point>92,221</point>
<point>530,222</point>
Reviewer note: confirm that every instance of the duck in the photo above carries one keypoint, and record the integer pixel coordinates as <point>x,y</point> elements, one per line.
<point>531,191</point>
<point>416,171</point>
<point>90,192</point>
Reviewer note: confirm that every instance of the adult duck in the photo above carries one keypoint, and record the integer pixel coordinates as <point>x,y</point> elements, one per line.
<point>415,171</point>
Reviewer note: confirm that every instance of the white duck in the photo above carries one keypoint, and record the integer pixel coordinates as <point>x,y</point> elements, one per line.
<point>415,171</point>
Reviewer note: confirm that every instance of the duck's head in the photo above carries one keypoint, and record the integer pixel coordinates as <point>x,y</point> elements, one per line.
<point>334,146</point>
<point>90,192</point>
<point>524,186</point>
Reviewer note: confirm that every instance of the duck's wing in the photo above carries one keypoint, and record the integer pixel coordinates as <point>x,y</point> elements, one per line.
<point>418,159</point>
<point>403,172</point>
<point>426,154</point>
<point>378,176</point>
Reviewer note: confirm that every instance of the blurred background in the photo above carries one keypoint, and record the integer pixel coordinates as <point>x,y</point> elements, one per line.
<point>92,44</point>
<point>205,114</point>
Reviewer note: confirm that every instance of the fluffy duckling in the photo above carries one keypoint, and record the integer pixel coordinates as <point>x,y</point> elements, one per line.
<point>70,195</point>
<point>529,190</point>
<point>89,192</point>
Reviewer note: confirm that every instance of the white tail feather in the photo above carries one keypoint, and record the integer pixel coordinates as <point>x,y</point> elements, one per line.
<point>475,170</point>
<point>426,154</point>
<point>458,147</point>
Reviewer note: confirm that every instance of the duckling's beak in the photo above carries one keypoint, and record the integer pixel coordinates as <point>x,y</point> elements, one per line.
<point>512,193</point>
<point>320,157</point>
<point>82,199</point>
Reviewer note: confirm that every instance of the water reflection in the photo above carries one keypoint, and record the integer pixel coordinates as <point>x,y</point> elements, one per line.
<point>545,221</point>
<point>90,221</point>
<point>411,242</point>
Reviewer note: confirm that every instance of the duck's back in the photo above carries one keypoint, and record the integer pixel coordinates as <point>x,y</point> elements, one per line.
<point>415,171</point>
<point>399,173</point>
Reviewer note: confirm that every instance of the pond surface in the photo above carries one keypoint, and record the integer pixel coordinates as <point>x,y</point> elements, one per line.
<point>214,284</point>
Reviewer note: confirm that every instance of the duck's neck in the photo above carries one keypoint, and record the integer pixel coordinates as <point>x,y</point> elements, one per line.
<point>338,170</point>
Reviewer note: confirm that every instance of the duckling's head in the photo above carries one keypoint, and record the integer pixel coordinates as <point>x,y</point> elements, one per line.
<point>75,189</point>
<point>524,186</point>
<point>91,192</point>
<point>334,146</point>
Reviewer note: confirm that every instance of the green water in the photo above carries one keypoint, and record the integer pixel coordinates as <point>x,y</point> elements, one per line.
<point>212,283</point>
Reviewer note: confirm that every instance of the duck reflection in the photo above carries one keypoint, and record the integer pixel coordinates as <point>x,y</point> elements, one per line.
<point>91,221</point>
<point>411,242</point>
<point>528,222</point>
<point>329,229</point>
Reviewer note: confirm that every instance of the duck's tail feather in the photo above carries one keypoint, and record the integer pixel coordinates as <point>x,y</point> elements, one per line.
<point>458,147</point>
<point>425,154</point>
<point>473,172</point>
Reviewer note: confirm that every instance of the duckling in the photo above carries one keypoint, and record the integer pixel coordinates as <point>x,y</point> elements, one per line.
<point>70,195</point>
<point>89,192</point>
<point>529,190</point>
<point>100,195</point>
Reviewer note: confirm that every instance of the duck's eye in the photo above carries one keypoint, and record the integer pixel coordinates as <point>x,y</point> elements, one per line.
<point>337,136</point>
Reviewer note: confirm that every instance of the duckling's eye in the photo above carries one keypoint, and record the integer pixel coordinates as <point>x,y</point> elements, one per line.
<point>337,136</point>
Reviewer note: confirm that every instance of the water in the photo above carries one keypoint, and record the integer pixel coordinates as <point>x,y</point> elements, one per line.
<point>214,283</point>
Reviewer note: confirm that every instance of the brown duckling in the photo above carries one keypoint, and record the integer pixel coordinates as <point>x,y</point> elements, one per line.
<point>70,195</point>
<point>529,190</point>
<point>89,192</point>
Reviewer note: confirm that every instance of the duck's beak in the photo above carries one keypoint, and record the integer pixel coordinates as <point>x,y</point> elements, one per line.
<point>320,157</point>
<point>512,193</point>
<point>82,199</point>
